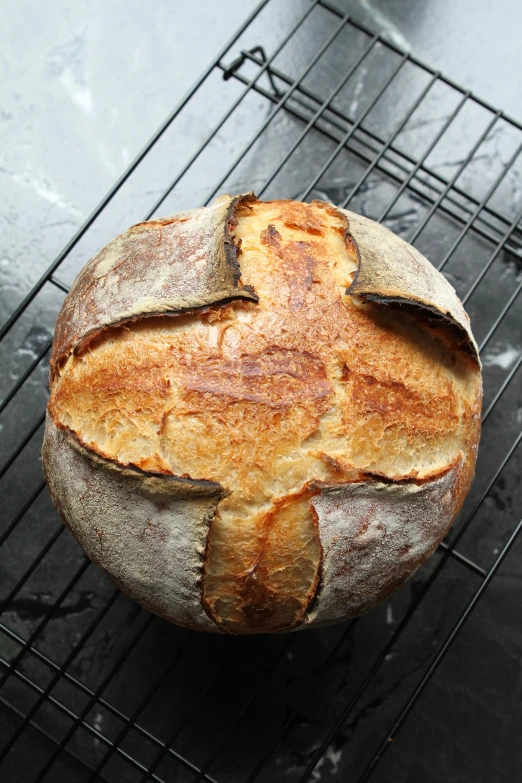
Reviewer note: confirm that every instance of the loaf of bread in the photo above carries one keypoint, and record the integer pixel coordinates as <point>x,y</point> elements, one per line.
<point>263,416</point>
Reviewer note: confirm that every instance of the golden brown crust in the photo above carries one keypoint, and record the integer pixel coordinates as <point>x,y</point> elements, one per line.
<point>304,391</point>
<point>167,265</point>
<point>263,596</point>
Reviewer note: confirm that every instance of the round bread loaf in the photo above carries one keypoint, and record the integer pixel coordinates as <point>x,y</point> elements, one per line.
<point>263,416</point>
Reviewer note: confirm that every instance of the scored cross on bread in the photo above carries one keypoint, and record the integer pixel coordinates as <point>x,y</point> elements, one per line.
<point>263,415</point>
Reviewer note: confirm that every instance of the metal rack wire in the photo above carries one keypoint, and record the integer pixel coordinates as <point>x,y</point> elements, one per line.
<point>55,702</point>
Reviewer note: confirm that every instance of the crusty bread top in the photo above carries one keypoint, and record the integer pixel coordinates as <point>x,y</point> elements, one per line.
<point>166,265</point>
<point>392,271</point>
<point>305,385</point>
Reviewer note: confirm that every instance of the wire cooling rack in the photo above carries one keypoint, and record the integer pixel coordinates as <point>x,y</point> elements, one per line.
<point>94,688</point>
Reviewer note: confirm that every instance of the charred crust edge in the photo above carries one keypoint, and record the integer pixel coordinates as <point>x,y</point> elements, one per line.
<point>418,307</point>
<point>315,589</point>
<point>437,317</point>
<point>232,247</point>
<point>204,562</point>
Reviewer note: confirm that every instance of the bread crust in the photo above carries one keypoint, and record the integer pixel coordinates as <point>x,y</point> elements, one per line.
<point>391,271</point>
<point>169,265</point>
<point>152,534</point>
<point>363,529</point>
<point>375,535</point>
